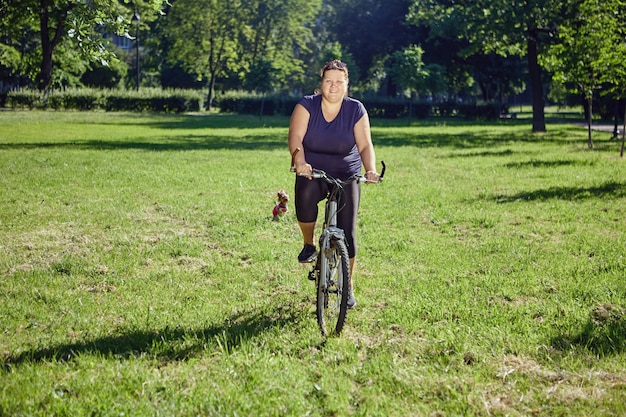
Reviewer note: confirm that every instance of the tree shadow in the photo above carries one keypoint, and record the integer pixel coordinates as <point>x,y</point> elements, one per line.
<point>177,143</point>
<point>482,154</point>
<point>534,163</point>
<point>606,190</point>
<point>185,132</point>
<point>603,334</point>
<point>191,121</point>
<point>169,344</point>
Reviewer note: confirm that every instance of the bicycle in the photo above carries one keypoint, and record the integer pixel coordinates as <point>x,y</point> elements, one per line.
<point>331,271</point>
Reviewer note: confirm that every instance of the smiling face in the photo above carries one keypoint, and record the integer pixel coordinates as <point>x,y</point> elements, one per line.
<point>334,85</point>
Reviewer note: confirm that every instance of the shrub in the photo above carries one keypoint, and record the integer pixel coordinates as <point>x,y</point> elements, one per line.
<point>446,108</point>
<point>487,111</point>
<point>24,99</point>
<point>165,101</point>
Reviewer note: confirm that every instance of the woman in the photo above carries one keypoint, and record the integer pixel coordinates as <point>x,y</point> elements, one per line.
<point>333,134</point>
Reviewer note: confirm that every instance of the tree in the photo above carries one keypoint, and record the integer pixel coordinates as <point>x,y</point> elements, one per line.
<point>505,27</point>
<point>105,76</point>
<point>370,30</point>
<point>582,58</point>
<point>498,77</point>
<point>17,37</point>
<point>84,24</point>
<point>407,69</point>
<point>278,36</point>
<point>205,35</point>
<point>218,38</point>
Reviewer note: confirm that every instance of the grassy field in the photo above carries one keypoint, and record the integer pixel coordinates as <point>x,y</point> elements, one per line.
<point>141,273</point>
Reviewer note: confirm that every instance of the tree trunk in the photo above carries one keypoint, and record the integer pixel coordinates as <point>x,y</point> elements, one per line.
<point>615,119</point>
<point>45,70</point>
<point>621,152</point>
<point>209,100</point>
<point>536,86</point>
<point>589,117</point>
<point>49,43</point>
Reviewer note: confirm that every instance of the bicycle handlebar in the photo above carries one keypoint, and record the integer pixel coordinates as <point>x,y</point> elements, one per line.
<point>318,173</point>
<point>359,178</point>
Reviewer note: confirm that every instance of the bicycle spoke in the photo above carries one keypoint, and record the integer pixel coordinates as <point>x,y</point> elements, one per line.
<point>332,287</point>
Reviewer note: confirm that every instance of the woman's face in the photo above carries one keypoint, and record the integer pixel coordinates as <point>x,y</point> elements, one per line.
<point>334,85</point>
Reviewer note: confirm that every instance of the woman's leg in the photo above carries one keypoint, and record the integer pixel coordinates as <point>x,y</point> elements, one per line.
<point>308,230</point>
<point>352,261</point>
<point>308,193</point>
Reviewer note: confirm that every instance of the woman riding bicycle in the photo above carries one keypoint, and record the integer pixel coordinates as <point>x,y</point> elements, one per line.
<point>331,132</point>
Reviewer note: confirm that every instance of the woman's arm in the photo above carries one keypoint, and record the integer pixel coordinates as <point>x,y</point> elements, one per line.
<point>363,138</point>
<point>297,129</point>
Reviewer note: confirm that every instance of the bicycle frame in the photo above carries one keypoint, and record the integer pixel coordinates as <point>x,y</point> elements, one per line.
<point>330,231</point>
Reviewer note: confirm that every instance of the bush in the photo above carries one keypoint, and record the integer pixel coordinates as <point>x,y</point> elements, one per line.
<point>446,108</point>
<point>396,108</point>
<point>180,101</point>
<point>488,111</point>
<point>164,101</point>
<point>24,99</point>
<point>386,108</point>
<point>251,103</point>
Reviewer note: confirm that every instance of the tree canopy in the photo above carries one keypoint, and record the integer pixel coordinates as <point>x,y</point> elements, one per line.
<point>471,49</point>
<point>79,25</point>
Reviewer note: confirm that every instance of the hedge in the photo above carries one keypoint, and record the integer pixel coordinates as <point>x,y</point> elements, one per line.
<point>167,101</point>
<point>181,101</point>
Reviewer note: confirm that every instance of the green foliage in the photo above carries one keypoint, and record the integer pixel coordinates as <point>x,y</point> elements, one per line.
<point>9,57</point>
<point>498,26</point>
<point>490,111</point>
<point>247,103</point>
<point>406,68</point>
<point>157,100</point>
<point>507,28</point>
<point>214,38</point>
<point>396,108</point>
<point>54,28</point>
<point>590,48</point>
<point>142,274</point>
<point>106,76</point>
<point>369,30</point>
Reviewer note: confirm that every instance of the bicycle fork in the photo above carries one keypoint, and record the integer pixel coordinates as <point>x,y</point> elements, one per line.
<point>326,254</point>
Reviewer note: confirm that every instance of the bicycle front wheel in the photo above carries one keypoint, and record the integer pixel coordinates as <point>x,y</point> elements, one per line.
<point>333,285</point>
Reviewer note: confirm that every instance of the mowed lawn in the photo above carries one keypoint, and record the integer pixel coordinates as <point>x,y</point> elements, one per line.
<point>141,273</point>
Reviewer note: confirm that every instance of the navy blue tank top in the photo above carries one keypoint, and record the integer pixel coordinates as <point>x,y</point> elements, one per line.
<point>331,147</point>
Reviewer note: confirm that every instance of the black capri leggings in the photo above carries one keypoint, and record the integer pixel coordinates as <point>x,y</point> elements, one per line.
<point>309,193</point>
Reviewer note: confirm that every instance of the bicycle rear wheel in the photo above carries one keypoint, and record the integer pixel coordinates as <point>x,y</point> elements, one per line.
<point>333,284</point>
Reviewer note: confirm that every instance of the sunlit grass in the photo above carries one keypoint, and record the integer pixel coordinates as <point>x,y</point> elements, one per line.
<point>141,273</point>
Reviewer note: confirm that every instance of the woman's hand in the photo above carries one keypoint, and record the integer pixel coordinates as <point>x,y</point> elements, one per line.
<point>304,170</point>
<point>372,176</point>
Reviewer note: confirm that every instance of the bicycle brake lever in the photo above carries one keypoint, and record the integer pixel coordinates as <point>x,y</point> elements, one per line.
<point>293,160</point>
<point>382,172</point>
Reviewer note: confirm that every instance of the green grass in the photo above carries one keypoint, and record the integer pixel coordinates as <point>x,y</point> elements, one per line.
<point>141,273</point>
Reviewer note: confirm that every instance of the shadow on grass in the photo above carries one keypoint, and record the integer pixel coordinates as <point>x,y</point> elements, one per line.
<point>604,334</point>
<point>169,344</point>
<point>505,152</point>
<point>472,139</point>
<point>192,121</point>
<point>252,134</point>
<point>606,190</point>
<point>185,143</point>
<point>544,164</point>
